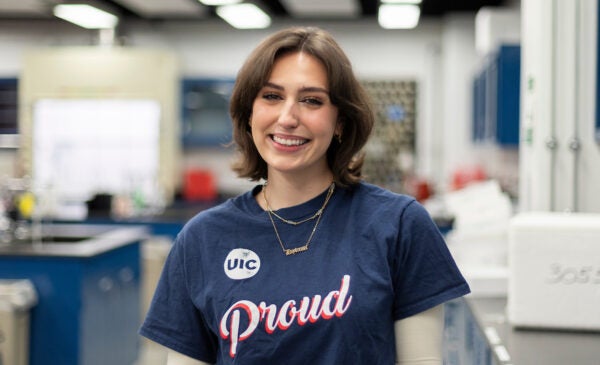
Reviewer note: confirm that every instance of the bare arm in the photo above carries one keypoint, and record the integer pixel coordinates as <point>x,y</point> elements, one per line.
<point>419,338</point>
<point>175,358</point>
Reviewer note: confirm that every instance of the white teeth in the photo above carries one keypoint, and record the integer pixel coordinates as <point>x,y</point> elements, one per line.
<point>289,142</point>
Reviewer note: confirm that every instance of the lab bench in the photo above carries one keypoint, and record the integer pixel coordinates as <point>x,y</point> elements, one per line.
<point>166,223</point>
<point>87,279</point>
<point>478,333</point>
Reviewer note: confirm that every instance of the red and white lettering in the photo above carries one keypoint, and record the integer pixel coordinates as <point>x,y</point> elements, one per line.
<point>341,304</point>
<point>270,312</point>
<point>302,313</point>
<point>336,303</point>
<point>283,323</point>
<point>233,334</point>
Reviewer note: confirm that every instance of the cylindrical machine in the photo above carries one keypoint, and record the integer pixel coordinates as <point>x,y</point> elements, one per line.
<point>16,299</point>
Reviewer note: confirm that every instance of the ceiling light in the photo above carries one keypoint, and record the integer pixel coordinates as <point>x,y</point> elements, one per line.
<point>398,16</point>
<point>322,9</point>
<point>244,16</point>
<point>219,2</point>
<point>86,16</point>
<point>401,1</point>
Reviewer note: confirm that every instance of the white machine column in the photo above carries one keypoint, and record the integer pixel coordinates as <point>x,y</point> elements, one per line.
<point>559,156</point>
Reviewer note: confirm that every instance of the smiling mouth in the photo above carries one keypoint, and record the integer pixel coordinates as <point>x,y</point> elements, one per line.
<point>289,141</point>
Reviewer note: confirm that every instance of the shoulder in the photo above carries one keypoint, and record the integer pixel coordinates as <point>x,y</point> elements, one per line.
<point>374,198</point>
<point>375,205</point>
<point>211,215</point>
<point>233,211</point>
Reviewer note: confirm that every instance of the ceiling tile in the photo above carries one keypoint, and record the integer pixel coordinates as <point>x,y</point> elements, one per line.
<point>18,8</point>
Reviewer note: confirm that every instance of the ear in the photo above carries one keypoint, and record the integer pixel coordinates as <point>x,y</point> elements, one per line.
<point>339,129</point>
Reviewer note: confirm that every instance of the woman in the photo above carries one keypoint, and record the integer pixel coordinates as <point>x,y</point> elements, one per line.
<point>314,266</point>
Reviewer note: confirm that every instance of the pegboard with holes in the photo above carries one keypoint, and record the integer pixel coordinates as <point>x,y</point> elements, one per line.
<point>391,148</point>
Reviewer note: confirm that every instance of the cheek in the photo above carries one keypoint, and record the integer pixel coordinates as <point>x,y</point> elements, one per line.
<point>333,126</point>
<point>258,115</point>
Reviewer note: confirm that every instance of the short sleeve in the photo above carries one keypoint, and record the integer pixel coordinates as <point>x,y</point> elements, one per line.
<point>173,320</point>
<point>424,272</point>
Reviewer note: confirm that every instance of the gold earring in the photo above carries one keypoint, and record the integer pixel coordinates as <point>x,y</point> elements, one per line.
<point>339,138</point>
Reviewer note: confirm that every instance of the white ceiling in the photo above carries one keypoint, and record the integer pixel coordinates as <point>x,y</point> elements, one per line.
<point>143,8</point>
<point>193,9</point>
<point>179,8</point>
<point>25,8</point>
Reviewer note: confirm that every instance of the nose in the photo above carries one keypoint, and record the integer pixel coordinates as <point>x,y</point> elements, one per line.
<point>288,116</point>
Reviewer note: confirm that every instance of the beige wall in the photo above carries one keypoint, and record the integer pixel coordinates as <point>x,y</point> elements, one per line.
<point>104,73</point>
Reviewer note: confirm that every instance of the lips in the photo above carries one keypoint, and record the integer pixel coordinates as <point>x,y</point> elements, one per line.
<point>289,141</point>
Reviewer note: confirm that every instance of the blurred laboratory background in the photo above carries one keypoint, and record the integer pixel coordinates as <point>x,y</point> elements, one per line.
<point>114,132</point>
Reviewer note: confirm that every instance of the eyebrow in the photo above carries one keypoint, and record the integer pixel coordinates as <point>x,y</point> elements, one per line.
<point>304,89</point>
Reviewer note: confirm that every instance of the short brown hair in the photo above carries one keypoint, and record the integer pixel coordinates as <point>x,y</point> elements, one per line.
<point>346,93</point>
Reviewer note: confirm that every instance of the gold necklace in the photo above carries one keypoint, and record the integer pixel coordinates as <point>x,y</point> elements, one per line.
<point>318,215</point>
<point>295,223</point>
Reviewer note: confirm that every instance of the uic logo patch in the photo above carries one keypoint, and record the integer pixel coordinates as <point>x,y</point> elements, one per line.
<point>241,264</point>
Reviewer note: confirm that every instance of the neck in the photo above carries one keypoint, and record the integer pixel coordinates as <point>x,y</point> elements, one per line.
<point>286,192</point>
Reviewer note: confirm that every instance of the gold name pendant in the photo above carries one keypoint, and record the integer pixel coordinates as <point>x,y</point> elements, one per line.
<point>293,251</point>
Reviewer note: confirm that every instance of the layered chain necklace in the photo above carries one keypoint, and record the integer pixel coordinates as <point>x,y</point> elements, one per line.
<point>317,216</point>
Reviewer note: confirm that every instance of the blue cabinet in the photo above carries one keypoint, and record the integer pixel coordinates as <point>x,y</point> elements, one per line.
<point>496,98</point>
<point>88,310</point>
<point>464,341</point>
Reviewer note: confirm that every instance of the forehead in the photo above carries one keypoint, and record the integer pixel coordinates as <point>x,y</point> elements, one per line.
<point>298,66</point>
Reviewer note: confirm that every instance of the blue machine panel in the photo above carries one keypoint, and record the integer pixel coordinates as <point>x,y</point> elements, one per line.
<point>496,96</point>
<point>8,106</point>
<point>205,112</point>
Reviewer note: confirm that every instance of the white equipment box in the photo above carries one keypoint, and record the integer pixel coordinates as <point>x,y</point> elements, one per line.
<point>554,270</point>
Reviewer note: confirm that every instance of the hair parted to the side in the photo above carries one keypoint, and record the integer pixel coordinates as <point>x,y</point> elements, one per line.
<point>354,108</point>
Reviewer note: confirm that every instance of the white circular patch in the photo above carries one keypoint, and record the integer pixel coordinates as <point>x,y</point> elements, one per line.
<point>241,264</point>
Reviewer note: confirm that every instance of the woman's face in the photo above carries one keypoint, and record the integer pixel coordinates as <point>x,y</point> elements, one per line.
<point>293,120</point>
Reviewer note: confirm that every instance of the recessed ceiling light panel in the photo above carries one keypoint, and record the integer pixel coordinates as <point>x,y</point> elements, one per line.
<point>322,9</point>
<point>86,16</point>
<point>244,16</point>
<point>398,16</point>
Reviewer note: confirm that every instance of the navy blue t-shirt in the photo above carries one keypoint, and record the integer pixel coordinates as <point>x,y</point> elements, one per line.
<point>229,295</point>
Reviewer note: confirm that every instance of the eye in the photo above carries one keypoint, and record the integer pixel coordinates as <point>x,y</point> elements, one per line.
<point>312,101</point>
<point>271,96</point>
